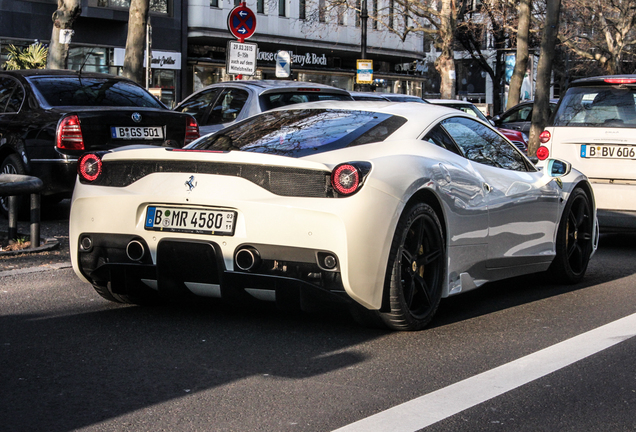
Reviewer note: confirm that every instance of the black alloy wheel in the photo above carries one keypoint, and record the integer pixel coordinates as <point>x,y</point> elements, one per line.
<point>574,239</point>
<point>417,264</point>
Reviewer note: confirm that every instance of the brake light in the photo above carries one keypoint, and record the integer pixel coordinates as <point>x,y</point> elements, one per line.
<point>308,90</point>
<point>192,130</point>
<point>543,153</point>
<point>69,134</point>
<point>345,179</point>
<point>545,136</point>
<point>620,80</point>
<point>89,167</point>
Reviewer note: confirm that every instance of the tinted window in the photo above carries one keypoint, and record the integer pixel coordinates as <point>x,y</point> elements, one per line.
<point>11,95</point>
<point>275,100</point>
<point>300,133</point>
<point>198,105</point>
<point>439,137</point>
<point>602,106</point>
<point>520,114</point>
<point>228,106</point>
<point>80,91</point>
<point>481,144</point>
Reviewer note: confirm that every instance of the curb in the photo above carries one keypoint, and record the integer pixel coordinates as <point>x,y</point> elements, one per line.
<point>48,245</point>
<point>46,267</point>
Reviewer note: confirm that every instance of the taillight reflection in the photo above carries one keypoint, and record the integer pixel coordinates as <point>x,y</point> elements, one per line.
<point>192,131</point>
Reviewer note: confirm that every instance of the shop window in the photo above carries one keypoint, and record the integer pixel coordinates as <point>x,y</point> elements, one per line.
<point>156,6</point>
<point>89,59</point>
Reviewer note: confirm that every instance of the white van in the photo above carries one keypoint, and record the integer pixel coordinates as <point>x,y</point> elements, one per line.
<point>594,128</point>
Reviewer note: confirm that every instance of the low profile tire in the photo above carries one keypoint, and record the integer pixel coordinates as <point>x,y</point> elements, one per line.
<point>574,239</point>
<point>417,264</point>
<point>12,165</point>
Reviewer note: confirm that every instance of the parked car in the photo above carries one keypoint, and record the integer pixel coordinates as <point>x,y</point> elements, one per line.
<point>387,207</point>
<point>378,96</point>
<point>219,105</point>
<point>519,117</point>
<point>50,117</point>
<point>594,128</point>
<point>518,138</point>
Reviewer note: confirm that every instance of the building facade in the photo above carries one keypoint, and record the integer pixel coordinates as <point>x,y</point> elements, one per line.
<point>190,37</point>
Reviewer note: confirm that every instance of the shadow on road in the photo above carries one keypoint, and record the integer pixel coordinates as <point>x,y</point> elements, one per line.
<point>67,372</point>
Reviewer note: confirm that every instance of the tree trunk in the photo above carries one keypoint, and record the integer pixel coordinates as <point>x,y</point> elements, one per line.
<point>63,18</point>
<point>521,60</point>
<point>541,109</point>
<point>136,41</point>
<point>445,63</point>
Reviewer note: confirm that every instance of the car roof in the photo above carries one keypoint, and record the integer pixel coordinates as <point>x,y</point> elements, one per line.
<point>60,72</point>
<point>262,85</point>
<point>448,101</point>
<point>602,80</point>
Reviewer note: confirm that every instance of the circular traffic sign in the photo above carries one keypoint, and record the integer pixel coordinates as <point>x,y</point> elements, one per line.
<point>241,22</point>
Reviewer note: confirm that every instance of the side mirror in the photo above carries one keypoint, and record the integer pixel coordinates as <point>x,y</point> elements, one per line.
<point>558,168</point>
<point>496,118</point>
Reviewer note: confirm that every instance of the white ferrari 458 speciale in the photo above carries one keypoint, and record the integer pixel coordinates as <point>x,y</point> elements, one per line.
<point>389,207</point>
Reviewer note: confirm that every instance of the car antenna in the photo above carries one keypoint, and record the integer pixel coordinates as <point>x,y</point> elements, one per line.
<point>85,60</point>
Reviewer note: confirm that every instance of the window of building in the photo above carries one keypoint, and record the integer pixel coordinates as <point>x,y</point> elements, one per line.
<point>358,9</point>
<point>341,14</point>
<point>214,3</point>
<point>282,8</point>
<point>302,9</point>
<point>260,6</point>
<point>237,2</point>
<point>322,11</point>
<point>391,13</point>
<point>156,6</point>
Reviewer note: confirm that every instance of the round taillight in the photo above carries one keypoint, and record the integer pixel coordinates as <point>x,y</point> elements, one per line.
<point>345,179</point>
<point>89,167</point>
<point>543,153</point>
<point>545,136</point>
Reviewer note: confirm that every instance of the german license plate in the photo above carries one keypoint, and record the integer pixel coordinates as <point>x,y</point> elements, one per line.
<point>136,132</point>
<point>190,220</point>
<point>608,151</point>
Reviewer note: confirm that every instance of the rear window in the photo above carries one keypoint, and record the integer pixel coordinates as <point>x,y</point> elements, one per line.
<point>80,91</point>
<point>598,106</point>
<point>299,133</point>
<point>278,99</point>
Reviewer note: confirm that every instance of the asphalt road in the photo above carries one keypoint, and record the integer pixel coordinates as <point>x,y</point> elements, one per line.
<point>70,360</point>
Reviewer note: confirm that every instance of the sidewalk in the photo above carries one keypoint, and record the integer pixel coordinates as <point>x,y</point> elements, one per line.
<point>53,229</point>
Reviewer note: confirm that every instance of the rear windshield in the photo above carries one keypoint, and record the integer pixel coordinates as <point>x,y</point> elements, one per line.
<point>298,133</point>
<point>598,106</point>
<point>79,91</point>
<point>278,99</point>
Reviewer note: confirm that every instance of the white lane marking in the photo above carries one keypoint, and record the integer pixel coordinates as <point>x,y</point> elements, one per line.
<point>436,406</point>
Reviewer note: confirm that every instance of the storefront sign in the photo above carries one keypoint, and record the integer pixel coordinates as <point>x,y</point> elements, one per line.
<point>241,58</point>
<point>160,59</point>
<point>307,59</point>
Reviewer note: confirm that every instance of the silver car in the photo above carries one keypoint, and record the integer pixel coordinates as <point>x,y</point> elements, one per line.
<point>219,105</point>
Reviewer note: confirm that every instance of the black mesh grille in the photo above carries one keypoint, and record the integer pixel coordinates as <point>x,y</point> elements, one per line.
<point>282,181</point>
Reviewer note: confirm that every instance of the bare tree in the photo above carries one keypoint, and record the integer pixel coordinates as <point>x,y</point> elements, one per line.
<point>541,109</point>
<point>63,18</point>
<point>521,58</point>
<point>136,40</point>
<point>603,31</point>
<point>437,19</point>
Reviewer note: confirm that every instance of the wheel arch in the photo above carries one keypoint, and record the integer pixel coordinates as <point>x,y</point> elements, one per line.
<point>424,196</point>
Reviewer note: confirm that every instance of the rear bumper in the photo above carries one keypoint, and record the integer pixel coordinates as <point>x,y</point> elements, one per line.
<point>196,268</point>
<point>616,204</point>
